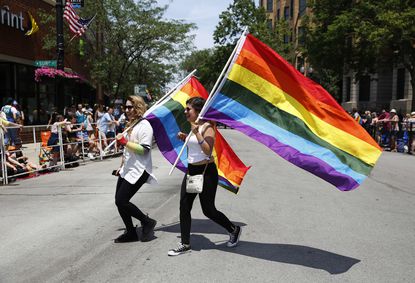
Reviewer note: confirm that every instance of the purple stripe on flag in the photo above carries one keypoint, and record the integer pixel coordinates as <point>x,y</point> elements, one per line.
<point>310,163</point>
<point>226,184</point>
<point>163,141</point>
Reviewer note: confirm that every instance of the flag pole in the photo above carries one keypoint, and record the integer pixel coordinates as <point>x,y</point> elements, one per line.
<point>212,92</point>
<point>225,70</point>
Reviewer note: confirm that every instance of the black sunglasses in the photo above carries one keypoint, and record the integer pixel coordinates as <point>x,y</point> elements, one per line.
<point>129,106</point>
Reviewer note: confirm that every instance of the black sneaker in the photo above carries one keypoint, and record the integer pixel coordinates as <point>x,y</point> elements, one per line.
<point>127,237</point>
<point>234,237</point>
<point>181,249</point>
<point>148,229</point>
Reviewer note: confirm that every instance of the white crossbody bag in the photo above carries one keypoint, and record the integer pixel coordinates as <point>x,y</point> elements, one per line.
<point>194,184</point>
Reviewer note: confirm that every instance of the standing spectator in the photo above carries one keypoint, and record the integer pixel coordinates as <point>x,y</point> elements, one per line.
<point>394,122</point>
<point>80,116</point>
<point>411,131</point>
<point>100,128</point>
<point>367,120</point>
<point>122,120</point>
<point>356,116</point>
<point>10,113</point>
<point>384,123</point>
<point>108,124</point>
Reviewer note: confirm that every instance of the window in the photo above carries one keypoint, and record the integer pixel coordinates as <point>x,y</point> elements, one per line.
<point>270,4</point>
<point>292,9</point>
<point>302,8</point>
<point>269,24</point>
<point>278,14</point>
<point>301,36</point>
<point>286,38</point>
<point>400,84</point>
<point>348,88</point>
<point>286,13</point>
<point>364,88</point>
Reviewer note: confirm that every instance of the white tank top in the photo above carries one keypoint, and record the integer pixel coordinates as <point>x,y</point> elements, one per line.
<point>194,150</point>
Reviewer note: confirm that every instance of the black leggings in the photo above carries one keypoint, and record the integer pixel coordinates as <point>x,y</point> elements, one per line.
<point>207,201</point>
<point>125,191</point>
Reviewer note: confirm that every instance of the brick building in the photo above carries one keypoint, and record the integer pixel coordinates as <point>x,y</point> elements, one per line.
<point>18,55</point>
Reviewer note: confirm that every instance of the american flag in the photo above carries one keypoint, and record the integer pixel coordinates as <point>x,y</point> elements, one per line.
<point>76,24</point>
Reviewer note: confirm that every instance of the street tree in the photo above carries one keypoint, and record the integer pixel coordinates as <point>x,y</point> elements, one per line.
<point>362,36</point>
<point>129,42</point>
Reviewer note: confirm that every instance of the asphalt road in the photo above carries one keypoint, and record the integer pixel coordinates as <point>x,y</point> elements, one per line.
<point>296,228</point>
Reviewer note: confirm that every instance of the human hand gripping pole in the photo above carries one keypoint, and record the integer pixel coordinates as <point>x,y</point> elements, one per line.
<point>123,134</point>
<point>213,91</point>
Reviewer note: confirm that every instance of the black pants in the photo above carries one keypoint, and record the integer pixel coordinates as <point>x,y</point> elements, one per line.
<point>207,201</point>
<point>125,191</point>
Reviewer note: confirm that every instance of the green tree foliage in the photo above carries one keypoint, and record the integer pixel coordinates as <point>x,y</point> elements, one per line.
<point>130,43</point>
<point>239,14</point>
<point>362,35</point>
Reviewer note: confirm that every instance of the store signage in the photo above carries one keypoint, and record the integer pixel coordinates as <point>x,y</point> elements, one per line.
<point>46,63</point>
<point>11,19</point>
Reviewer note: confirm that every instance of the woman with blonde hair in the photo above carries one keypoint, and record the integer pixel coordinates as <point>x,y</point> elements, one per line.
<point>135,170</point>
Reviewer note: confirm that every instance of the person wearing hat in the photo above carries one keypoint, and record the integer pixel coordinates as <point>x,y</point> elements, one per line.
<point>411,130</point>
<point>394,119</point>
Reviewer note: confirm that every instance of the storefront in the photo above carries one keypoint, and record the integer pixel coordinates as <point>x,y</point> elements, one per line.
<point>19,54</point>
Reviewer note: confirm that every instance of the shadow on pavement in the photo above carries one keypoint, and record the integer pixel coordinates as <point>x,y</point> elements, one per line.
<point>293,254</point>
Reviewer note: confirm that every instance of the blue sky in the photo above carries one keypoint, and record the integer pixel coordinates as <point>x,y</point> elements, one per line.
<point>205,14</point>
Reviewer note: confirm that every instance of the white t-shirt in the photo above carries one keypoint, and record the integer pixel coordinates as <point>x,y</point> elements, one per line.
<point>135,164</point>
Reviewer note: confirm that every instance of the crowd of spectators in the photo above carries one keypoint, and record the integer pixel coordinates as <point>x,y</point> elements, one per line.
<point>80,132</point>
<point>392,131</point>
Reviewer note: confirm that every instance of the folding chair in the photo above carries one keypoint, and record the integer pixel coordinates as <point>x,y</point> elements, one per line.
<point>45,154</point>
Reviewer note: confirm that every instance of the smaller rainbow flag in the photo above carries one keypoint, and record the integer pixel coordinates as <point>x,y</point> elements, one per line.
<point>167,119</point>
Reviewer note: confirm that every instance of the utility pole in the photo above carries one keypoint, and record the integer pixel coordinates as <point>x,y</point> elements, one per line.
<point>59,35</point>
<point>59,87</point>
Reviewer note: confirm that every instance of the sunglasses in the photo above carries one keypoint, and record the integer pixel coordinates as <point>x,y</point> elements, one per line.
<point>129,107</point>
<point>187,109</point>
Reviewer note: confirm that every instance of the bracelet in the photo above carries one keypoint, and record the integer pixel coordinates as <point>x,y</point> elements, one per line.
<point>201,141</point>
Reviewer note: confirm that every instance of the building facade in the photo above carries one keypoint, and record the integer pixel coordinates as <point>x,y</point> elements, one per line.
<point>19,55</point>
<point>389,88</point>
<point>291,11</point>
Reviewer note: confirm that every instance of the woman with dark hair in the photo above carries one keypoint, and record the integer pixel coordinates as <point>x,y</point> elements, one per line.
<point>200,161</point>
<point>135,170</point>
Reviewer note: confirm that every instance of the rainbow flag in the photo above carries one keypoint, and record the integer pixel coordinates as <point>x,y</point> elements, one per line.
<point>266,98</point>
<point>167,119</point>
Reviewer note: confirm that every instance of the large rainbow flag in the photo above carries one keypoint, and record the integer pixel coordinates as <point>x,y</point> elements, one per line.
<point>266,98</point>
<point>167,119</point>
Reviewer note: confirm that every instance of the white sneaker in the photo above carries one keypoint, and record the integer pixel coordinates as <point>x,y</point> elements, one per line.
<point>91,156</point>
<point>181,249</point>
